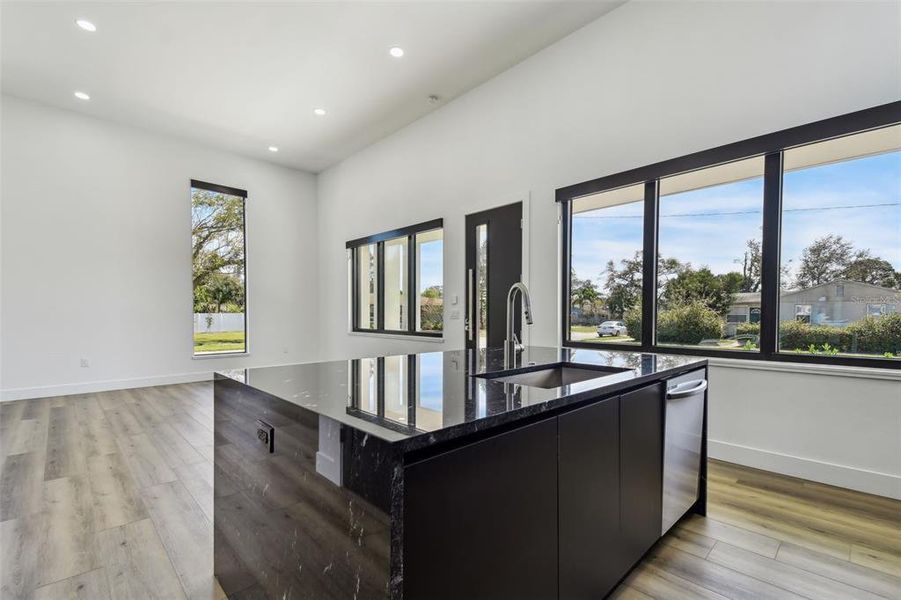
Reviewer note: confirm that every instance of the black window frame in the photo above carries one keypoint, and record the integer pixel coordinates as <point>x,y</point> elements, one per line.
<point>379,240</point>
<point>772,147</point>
<point>229,191</point>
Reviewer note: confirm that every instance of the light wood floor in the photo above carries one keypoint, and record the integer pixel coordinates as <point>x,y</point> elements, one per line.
<point>110,496</point>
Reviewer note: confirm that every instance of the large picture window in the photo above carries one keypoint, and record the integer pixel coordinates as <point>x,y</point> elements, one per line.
<point>605,272</point>
<point>841,247</point>
<point>219,272</point>
<point>709,247</point>
<point>783,247</point>
<point>397,281</point>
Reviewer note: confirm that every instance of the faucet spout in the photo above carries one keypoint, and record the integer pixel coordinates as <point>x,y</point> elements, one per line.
<point>511,344</point>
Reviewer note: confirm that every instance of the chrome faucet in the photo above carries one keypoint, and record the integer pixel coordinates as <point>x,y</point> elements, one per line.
<point>511,343</point>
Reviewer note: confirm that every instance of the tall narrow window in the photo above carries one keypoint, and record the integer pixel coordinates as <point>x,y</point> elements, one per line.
<point>709,263</point>
<point>605,266</point>
<point>217,232</point>
<point>396,284</point>
<point>481,285</point>
<point>367,284</point>
<point>430,280</point>
<point>841,247</point>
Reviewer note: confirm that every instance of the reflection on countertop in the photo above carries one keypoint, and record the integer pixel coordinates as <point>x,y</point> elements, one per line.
<point>414,400</point>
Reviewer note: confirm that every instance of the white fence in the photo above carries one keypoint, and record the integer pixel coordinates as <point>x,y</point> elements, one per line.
<point>216,322</point>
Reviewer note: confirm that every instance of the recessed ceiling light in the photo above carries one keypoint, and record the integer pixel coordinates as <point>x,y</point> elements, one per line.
<point>319,112</point>
<point>273,148</point>
<point>86,25</point>
<point>396,51</point>
<point>82,96</point>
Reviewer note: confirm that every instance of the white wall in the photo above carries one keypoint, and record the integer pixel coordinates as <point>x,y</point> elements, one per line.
<point>96,255</point>
<point>647,82</point>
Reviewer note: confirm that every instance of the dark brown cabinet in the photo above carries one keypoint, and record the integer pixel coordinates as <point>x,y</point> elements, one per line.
<point>481,521</point>
<point>561,508</point>
<point>589,501</point>
<point>641,471</point>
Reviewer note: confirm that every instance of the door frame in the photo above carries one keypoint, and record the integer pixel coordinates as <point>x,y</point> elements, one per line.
<point>525,198</point>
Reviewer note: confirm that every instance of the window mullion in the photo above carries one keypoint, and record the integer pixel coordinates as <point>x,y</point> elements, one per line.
<point>566,215</point>
<point>770,248</point>
<point>411,390</point>
<point>411,283</point>
<point>380,386</point>
<point>354,290</point>
<point>380,287</point>
<point>649,265</point>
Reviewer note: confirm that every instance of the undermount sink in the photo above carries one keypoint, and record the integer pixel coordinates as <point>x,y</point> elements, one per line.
<point>552,376</point>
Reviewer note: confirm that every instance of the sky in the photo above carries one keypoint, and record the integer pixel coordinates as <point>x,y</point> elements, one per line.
<point>431,265</point>
<point>857,199</point>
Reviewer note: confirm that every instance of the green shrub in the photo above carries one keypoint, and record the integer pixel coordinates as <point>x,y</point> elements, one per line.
<point>688,324</point>
<point>871,335</point>
<point>431,316</point>
<point>693,323</point>
<point>876,335</point>
<point>797,335</point>
<point>632,319</point>
<point>747,329</point>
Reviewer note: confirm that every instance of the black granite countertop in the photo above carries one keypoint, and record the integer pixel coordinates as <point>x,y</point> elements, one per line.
<point>416,400</point>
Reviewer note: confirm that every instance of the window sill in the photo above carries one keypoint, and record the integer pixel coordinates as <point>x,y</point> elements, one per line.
<point>218,355</point>
<point>400,336</point>
<point>794,367</point>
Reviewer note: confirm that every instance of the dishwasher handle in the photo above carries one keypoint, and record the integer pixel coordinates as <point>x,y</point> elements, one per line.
<point>689,388</point>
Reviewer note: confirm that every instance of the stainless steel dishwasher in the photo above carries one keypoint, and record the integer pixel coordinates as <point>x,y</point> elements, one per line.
<point>682,444</point>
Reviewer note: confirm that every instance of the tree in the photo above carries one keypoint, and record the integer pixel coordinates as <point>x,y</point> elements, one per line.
<point>433,291</point>
<point>702,287</point>
<point>751,266</point>
<point>824,260</point>
<point>223,290</point>
<point>873,270</point>
<point>217,233</point>
<point>623,285</point>
<point>832,257</point>
<point>583,291</point>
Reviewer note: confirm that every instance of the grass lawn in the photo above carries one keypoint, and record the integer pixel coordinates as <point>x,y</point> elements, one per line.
<point>220,341</point>
<point>583,328</point>
<point>589,333</point>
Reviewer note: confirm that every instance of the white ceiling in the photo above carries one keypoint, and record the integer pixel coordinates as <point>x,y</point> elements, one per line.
<point>244,76</point>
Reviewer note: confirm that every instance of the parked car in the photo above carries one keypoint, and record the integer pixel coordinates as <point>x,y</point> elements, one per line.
<point>611,328</point>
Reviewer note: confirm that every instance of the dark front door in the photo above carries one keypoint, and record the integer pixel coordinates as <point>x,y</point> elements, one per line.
<point>493,264</point>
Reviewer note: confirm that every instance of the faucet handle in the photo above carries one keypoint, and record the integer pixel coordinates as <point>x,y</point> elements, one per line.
<point>516,343</point>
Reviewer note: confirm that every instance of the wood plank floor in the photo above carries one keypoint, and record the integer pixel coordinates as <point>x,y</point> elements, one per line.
<point>109,496</point>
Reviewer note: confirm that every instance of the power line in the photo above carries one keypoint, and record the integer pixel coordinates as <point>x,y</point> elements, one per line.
<point>745,212</point>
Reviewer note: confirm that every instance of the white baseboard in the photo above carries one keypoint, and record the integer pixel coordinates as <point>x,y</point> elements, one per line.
<point>871,482</point>
<point>101,386</point>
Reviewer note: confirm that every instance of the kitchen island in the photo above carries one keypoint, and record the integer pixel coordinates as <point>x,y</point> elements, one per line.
<point>443,475</point>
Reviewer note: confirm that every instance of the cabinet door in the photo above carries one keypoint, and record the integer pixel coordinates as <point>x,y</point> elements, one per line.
<point>641,470</point>
<point>481,521</point>
<point>589,495</point>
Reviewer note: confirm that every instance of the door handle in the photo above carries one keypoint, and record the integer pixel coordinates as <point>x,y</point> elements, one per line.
<point>682,390</point>
<point>471,303</point>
